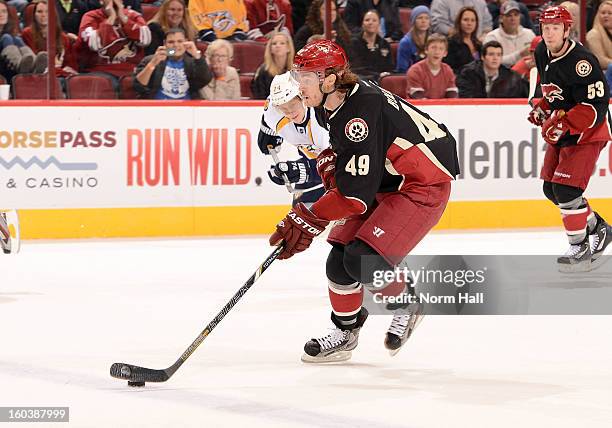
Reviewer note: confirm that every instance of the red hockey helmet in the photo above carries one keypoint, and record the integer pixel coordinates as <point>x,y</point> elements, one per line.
<point>318,56</point>
<point>556,15</point>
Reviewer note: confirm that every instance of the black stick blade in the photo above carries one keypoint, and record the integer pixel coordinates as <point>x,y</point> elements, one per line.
<point>137,374</point>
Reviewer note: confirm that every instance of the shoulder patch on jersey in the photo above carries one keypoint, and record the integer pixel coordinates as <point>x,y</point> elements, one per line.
<point>583,68</point>
<point>266,104</point>
<point>356,130</point>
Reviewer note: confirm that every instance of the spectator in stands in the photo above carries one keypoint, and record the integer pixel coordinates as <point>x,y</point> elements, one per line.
<point>515,39</point>
<point>278,59</point>
<point>488,78</point>
<point>525,64</point>
<point>267,17</point>
<point>387,10</point>
<point>314,25</point>
<point>591,10</point>
<point>495,5</point>
<point>574,9</point>
<point>225,84</point>
<point>176,77</point>
<point>444,12</point>
<point>599,39</point>
<point>111,40</point>
<point>128,4</point>
<point>70,13</point>
<point>463,44</point>
<point>35,36</point>
<point>171,14</point>
<point>432,78</point>
<point>412,46</point>
<point>219,19</point>
<point>15,56</point>
<point>371,53</point>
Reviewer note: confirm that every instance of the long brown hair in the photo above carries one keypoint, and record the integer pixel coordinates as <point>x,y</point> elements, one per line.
<point>11,26</point>
<point>458,34</point>
<point>40,37</point>
<point>270,64</point>
<point>314,22</point>
<point>186,23</point>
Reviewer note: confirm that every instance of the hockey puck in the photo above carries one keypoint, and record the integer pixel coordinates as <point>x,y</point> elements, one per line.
<point>258,181</point>
<point>136,384</point>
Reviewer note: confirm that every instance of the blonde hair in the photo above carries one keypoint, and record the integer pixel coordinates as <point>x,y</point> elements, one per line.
<point>218,44</point>
<point>269,63</point>
<point>186,24</point>
<point>599,28</point>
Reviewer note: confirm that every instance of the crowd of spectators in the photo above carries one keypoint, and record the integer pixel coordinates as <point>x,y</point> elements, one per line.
<point>185,49</point>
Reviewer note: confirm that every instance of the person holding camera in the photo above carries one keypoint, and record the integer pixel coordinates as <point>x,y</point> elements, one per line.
<point>177,70</point>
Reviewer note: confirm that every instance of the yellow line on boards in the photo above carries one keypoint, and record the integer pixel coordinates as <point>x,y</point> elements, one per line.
<point>257,220</point>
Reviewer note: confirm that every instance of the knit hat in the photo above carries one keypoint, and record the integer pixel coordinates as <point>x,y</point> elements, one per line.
<point>419,10</point>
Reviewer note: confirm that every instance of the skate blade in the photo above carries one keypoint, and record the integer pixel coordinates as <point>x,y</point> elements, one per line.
<point>579,267</point>
<point>336,357</point>
<point>417,321</point>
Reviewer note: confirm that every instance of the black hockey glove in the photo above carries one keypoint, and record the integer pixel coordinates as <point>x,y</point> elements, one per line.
<point>297,172</point>
<point>268,139</point>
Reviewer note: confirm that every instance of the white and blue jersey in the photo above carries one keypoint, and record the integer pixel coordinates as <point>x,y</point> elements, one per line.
<point>309,137</point>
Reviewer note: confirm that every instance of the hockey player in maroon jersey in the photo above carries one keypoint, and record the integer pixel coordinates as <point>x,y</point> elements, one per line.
<point>575,121</point>
<point>387,176</point>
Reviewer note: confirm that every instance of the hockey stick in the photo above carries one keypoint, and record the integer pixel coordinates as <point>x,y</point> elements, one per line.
<point>277,161</point>
<point>137,376</point>
<point>9,232</point>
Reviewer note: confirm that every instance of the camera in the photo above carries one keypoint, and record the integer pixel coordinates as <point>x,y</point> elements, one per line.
<point>171,52</point>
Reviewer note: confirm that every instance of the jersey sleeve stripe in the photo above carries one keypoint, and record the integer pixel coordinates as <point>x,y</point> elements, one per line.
<point>282,123</point>
<point>434,160</point>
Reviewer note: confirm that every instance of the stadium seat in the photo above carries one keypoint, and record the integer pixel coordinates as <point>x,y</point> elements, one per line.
<point>404,13</point>
<point>394,47</point>
<point>532,4</point>
<point>28,14</point>
<point>395,83</point>
<point>90,86</point>
<point>245,85</point>
<point>2,80</point>
<point>248,56</point>
<point>126,88</point>
<point>33,87</point>
<point>148,11</point>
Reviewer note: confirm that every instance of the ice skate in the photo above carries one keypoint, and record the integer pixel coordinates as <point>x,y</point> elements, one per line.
<point>577,258</point>
<point>5,237</point>
<point>402,326</point>
<point>600,239</point>
<point>9,232</point>
<point>337,346</point>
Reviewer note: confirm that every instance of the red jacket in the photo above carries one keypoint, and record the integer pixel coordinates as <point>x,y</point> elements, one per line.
<point>269,15</point>
<point>114,49</point>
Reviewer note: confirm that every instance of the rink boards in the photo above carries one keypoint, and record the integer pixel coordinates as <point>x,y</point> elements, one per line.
<point>100,169</point>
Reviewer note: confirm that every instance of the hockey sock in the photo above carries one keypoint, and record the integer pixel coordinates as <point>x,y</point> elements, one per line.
<point>593,221</point>
<point>346,303</point>
<point>575,215</point>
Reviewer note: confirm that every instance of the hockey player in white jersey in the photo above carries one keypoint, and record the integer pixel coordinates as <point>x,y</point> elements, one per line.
<point>285,118</point>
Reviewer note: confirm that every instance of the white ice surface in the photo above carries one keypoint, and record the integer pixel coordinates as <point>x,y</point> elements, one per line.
<point>70,309</point>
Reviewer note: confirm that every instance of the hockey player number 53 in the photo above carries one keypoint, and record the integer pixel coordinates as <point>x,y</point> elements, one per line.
<point>595,90</point>
<point>360,167</point>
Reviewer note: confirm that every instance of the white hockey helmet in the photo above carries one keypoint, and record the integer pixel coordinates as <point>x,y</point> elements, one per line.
<point>283,89</point>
